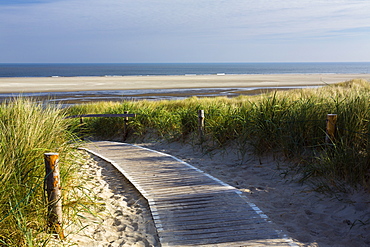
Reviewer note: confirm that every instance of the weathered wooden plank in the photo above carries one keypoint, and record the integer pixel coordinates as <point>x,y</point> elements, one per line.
<point>185,200</point>
<point>168,192</point>
<point>198,188</point>
<point>164,171</point>
<point>235,243</point>
<point>194,203</point>
<point>203,217</point>
<point>190,206</point>
<point>220,237</point>
<point>168,179</point>
<point>164,182</point>
<point>224,224</point>
<point>198,196</point>
<point>180,214</point>
<point>218,206</point>
<point>252,232</point>
<point>191,189</point>
<point>240,240</point>
<point>204,206</point>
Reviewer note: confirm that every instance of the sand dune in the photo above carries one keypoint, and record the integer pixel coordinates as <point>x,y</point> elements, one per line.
<point>309,217</point>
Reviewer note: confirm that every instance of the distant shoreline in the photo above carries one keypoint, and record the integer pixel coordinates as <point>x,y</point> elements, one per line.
<point>102,83</point>
<point>77,90</point>
<point>78,97</point>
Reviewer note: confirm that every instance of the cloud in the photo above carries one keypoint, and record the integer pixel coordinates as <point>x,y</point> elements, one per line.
<point>259,17</point>
<point>142,25</point>
<point>23,2</point>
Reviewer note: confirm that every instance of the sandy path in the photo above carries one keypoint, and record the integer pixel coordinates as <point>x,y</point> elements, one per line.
<point>122,217</point>
<point>70,84</point>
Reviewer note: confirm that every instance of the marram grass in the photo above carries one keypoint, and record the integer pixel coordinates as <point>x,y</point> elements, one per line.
<point>290,122</point>
<point>27,131</point>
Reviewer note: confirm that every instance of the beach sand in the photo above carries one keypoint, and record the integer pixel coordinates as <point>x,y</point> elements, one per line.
<point>119,215</point>
<point>71,84</point>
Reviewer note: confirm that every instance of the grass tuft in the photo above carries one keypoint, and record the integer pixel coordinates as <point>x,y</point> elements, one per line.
<point>27,131</point>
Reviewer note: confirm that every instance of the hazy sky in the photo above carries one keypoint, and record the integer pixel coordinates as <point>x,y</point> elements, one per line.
<point>184,31</point>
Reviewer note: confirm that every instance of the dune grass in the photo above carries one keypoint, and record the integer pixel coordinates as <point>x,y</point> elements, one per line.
<point>289,122</point>
<point>27,131</point>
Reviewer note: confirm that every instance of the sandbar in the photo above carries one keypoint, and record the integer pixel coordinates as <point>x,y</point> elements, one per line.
<point>73,84</point>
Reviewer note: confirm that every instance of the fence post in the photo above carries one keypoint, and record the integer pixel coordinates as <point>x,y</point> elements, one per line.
<point>125,126</point>
<point>54,194</point>
<point>201,123</point>
<point>331,121</point>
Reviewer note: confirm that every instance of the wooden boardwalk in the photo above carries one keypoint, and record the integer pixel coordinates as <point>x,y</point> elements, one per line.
<point>190,207</point>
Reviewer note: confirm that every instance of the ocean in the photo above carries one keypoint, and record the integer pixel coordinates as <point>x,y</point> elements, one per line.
<point>144,69</point>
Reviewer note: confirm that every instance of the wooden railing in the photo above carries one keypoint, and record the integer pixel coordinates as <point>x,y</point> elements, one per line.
<point>125,115</point>
<point>102,115</point>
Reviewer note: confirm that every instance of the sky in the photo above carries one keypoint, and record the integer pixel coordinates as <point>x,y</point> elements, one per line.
<point>184,31</point>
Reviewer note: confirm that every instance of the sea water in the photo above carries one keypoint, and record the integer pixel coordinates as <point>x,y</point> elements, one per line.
<point>145,69</point>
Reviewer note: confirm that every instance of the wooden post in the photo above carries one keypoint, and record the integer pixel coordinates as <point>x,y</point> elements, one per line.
<point>54,194</point>
<point>125,127</point>
<point>201,124</point>
<point>331,120</point>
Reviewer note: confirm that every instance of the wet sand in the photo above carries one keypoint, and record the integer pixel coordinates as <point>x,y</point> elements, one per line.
<point>74,90</point>
<point>71,84</point>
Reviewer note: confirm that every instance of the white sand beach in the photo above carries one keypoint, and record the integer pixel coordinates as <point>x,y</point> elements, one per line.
<point>71,84</point>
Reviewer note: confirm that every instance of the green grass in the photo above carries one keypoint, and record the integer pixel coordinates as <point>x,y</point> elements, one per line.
<point>289,122</point>
<point>27,131</point>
